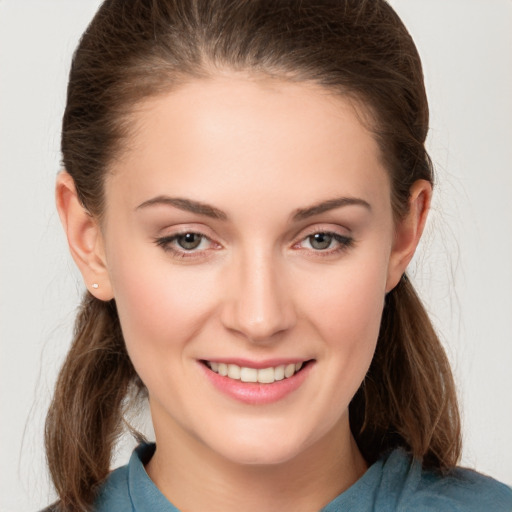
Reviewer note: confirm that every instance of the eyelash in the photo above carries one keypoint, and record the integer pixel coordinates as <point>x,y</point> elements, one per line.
<point>166,243</point>
<point>343,243</point>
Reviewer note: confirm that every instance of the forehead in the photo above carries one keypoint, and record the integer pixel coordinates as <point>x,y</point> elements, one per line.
<point>219,138</point>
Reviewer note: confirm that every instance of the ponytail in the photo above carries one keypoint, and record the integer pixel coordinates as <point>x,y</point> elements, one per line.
<point>86,414</point>
<point>408,397</point>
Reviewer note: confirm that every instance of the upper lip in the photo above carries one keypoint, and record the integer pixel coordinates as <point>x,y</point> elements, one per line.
<point>266,363</point>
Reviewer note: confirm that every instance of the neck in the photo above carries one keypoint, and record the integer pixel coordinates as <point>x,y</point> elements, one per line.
<point>194,478</point>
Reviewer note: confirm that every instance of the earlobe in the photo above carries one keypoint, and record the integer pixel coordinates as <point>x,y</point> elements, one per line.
<point>408,232</point>
<point>84,237</point>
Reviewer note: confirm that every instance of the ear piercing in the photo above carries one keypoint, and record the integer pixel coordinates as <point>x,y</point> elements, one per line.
<point>95,286</point>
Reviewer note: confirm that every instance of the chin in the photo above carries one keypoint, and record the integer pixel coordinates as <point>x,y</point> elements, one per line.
<point>260,456</point>
<point>262,448</point>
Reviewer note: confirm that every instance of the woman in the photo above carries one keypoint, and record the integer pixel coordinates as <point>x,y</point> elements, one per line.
<point>245,185</point>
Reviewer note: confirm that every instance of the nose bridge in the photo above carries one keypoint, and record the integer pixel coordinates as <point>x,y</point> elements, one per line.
<point>260,305</point>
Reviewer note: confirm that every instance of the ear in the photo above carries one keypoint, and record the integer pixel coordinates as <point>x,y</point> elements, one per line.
<point>84,236</point>
<point>408,232</point>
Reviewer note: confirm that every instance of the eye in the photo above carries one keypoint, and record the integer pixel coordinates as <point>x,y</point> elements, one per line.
<point>326,241</point>
<point>185,244</point>
<point>189,241</point>
<point>320,241</point>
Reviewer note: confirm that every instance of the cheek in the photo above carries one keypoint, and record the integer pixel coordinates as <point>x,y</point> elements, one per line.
<point>349,300</point>
<point>346,310</point>
<point>160,306</point>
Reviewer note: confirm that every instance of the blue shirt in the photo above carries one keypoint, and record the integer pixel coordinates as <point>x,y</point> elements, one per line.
<point>396,482</point>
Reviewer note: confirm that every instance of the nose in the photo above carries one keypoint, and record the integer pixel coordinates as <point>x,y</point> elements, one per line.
<point>258,303</point>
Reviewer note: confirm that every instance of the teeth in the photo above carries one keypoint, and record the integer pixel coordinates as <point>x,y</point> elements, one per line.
<point>234,371</point>
<point>289,370</point>
<point>279,372</point>
<point>248,375</point>
<point>263,375</point>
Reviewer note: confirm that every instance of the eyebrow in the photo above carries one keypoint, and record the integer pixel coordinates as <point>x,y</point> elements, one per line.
<point>330,204</point>
<point>210,211</point>
<point>187,205</point>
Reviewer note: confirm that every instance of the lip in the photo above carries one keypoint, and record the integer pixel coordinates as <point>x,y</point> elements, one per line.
<point>256,393</point>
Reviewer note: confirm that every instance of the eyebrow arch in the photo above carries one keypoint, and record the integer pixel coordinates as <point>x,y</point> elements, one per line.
<point>330,204</point>
<point>187,205</point>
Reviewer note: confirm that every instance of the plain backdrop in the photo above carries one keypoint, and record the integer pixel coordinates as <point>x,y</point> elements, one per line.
<point>463,269</point>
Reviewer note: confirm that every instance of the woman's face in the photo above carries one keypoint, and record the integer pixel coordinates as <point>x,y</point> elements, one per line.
<point>249,229</point>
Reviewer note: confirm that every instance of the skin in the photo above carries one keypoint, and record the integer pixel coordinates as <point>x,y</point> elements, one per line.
<point>257,150</point>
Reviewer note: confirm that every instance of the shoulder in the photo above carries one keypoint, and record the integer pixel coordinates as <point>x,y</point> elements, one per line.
<point>114,494</point>
<point>458,490</point>
<point>464,490</point>
<point>129,487</point>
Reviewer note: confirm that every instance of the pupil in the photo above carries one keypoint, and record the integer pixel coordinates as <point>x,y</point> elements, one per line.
<point>189,240</point>
<point>320,240</point>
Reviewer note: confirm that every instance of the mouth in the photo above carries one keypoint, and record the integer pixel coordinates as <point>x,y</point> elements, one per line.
<point>267,375</point>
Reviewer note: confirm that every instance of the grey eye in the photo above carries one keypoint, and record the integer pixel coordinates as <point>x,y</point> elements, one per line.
<point>189,241</point>
<point>320,241</point>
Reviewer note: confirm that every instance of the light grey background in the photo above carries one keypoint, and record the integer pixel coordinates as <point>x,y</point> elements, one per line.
<point>463,270</point>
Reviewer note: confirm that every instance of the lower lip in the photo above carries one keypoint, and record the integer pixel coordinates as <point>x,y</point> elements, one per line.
<point>255,393</point>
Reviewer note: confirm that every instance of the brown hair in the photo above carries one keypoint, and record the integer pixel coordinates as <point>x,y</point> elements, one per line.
<point>134,49</point>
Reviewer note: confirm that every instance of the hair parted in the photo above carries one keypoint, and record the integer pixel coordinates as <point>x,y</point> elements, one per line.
<point>135,49</point>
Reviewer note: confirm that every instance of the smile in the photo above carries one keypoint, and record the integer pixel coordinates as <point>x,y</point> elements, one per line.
<point>257,383</point>
<point>261,375</point>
